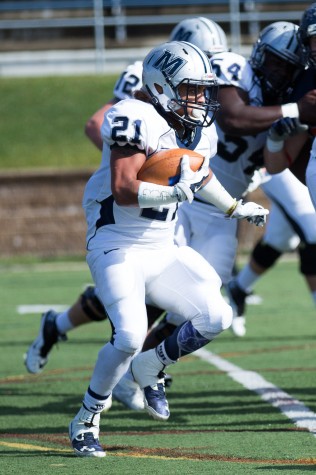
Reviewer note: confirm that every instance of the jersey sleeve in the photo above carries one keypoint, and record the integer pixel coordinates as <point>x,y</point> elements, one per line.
<point>125,124</point>
<point>129,81</point>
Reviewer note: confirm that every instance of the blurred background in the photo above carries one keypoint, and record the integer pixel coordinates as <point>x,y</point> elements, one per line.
<point>59,60</point>
<point>102,36</point>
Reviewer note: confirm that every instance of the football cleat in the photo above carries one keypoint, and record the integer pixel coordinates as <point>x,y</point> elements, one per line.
<point>156,403</point>
<point>254,299</point>
<point>85,445</point>
<point>129,393</point>
<point>37,355</point>
<point>84,434</point>
<point>147,371</point>
<point>238,326</point>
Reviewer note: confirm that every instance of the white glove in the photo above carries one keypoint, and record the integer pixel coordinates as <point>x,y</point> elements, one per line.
<point>281,130</point>
<point>253,212</point>
<point>190,182</point>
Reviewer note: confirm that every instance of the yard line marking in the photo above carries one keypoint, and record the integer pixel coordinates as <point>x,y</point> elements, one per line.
<point>25,309</point>
<point>22,446</point>
<point>141,452</point>
<point>295,410</point>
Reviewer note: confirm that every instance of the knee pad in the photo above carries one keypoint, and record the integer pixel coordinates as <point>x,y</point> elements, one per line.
<point>265,255</point>
<point>209,326</point>
<point>128,342</point>
<point>307,254</point>
<point>92,306</point>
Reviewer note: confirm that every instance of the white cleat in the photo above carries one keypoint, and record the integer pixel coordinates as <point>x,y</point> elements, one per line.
<point>254,299</point>
<point>84,434</point>
<point>38,352</point>
<point>147,370</point>
<point>238,326</point>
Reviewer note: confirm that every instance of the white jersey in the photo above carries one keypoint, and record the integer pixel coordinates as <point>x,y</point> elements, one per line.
<point>311,174</point>
<point>129,81</point>
<point>111,226</point>
<point>238,156</point>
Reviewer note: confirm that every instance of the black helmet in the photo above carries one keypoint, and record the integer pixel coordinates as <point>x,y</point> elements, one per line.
<point>278,39</point>
<point>307,29</point>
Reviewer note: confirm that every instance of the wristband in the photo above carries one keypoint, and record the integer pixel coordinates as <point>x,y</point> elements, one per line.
<point>230,211</point>
<point>215,193</point>
<point>290,110</point>
<point>151,195</point>
<point>274,146</point>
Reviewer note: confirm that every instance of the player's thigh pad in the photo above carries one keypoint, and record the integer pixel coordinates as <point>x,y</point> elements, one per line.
<point>211,235</point>
<point>293,198</point>
<point>190,287</point>
<point>122,290</point>
<point>219,246</point>
<point>279,233</point>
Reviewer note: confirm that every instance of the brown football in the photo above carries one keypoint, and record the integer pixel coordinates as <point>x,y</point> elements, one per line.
<point>163,168</point>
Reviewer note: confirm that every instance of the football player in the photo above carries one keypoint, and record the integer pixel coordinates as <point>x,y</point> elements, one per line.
<point>130,232</point>
<point>284,146</point>
<point>307,36</point>
<point>228,163</point>
<point>291,222</point>
<point>209,36</point>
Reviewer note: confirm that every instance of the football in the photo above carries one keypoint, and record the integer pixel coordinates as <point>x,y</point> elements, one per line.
<point>164,167</point>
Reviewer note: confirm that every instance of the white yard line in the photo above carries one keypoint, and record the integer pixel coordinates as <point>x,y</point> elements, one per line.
<point>26,309</point>
<point>295,410</point>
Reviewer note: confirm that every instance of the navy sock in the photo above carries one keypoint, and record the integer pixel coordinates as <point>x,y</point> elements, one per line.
<point>184,340</point>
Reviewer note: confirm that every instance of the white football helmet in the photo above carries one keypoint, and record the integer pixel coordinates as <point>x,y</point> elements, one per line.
<point>278,39</point>
<point>307,29</point>
<point>175,64</point>
<point>203,33</point>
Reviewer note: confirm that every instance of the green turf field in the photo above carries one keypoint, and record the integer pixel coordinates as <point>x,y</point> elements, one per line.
<point>42,120</point>
<point>217,425</point>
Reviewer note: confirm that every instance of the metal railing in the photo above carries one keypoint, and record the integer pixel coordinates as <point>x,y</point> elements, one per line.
<point>118,14</point>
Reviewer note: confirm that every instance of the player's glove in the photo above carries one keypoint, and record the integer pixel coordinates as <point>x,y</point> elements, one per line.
<point>281,130</point>
<point>253,212</point>
<point>190,182</point>
<point>286,127</point>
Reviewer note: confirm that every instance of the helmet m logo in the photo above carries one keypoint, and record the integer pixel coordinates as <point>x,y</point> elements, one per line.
<point>183,35</point>
<point>169,64</point>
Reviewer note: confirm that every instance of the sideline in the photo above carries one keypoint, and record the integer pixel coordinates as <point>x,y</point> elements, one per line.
<point>293,409</point>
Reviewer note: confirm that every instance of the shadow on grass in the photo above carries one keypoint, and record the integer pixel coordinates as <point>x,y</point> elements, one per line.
<point>235,416</point>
